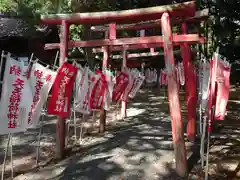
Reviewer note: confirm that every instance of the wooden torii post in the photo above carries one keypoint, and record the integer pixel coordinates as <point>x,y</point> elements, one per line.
<point>109,34</point>
<point>182,10</point>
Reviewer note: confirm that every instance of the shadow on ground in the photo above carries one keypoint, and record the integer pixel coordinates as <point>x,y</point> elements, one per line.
<point>140,146</point>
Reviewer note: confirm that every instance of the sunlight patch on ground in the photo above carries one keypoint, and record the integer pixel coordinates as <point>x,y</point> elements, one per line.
<point>237,102</point>
<point>134,112</point>
<point>161,118</point>
<point>156,98</point>
<point>156,103</point>
<point>137,104</point>
<point>152,137</point>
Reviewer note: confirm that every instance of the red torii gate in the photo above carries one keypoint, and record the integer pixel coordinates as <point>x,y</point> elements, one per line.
<point>186,55</point>
<point>182,10</point>
<point>199,16</point>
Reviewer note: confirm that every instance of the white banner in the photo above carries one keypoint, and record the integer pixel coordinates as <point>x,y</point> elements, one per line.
<point>151,75</point>
<point>181,73</point>
<point>41,81</point>
<point>135,82</point>
<point>205,84</point>
<point>16,98</point>
<point>77,94</point>
<point>109,92</point>
<point>138,81</point>
<point>129,86</point>
<point>163,78</point>
<point>86,84</point>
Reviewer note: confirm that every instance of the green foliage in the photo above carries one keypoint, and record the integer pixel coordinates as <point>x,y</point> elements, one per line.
<point>7,5</point>
<point>75,32</point>
<point>224,31</point>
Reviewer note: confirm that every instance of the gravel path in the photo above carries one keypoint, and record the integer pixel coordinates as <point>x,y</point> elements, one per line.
<point>137,148</point>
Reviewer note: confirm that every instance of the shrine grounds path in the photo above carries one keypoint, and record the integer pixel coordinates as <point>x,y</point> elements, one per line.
<point>136,148</point>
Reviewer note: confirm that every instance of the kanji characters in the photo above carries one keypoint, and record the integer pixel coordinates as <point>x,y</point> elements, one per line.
<point>38,74</point>
<point>15,70</point>
<point>120,86</point>
<point>14,100</point>
<point>38,86</point>
<point>48,77</point>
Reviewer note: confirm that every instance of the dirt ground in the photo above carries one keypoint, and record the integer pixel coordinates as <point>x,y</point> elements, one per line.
<point>136,148</point>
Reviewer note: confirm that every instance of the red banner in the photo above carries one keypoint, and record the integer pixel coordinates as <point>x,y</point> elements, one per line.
<point>98,92</point>
<point>122,80</point>
<point>59,103</point>
<point>163,78</point>
<point>222,90</point>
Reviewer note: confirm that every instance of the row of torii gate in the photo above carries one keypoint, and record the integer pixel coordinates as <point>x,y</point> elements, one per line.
<point>160,16</point>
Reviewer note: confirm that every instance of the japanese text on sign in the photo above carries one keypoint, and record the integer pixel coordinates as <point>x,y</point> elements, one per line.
<point>14,101</point>
<point>60,103</point>
<point>39,84</point>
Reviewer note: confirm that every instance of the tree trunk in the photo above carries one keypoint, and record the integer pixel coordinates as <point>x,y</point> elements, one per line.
<point>87,35</point>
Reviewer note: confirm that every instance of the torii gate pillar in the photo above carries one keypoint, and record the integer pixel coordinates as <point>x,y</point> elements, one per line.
<point>110,34</point>
<point>173,98</point>
<point>190,87</point>
<point>61,122</point>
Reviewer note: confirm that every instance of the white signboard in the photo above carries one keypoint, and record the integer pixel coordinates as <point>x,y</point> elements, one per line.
<point>16,98</point>
<point>41,81</point>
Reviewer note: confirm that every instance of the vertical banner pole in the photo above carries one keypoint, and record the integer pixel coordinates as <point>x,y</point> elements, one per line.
<point>55,60</point>
<point>39,138</point>
<point>200,93</point>
<point>102,124</point>
<point>212,99</point>
<point>1,77</point>
<point>124,103</point>
<point>75,122</point>
<point>40,131</point>
<point>190,87</point>
<point>60,126</point>
<point>173,98</point>
<point>1,65</point>
<point>5,157</point>
<point>11,154</point>
<point>81,129</point>
<point>74,112</point>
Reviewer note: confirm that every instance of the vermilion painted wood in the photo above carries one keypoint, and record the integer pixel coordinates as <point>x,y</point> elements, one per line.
<point>147,54</point>
<point>173,98</point>
<point>190,87</point>
<point>190,38</point>
<point>199,16</point>
<point>60,125</point>
<point>111,34</point>
<point>112,31</point>
<point>186,9</point>
<point>136,55</point>
<point>142,46</point>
